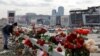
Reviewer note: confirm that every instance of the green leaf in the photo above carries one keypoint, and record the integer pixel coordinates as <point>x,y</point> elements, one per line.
<point>50,49</point>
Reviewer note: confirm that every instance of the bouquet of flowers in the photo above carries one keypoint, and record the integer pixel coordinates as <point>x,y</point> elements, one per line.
<point>75,44</point>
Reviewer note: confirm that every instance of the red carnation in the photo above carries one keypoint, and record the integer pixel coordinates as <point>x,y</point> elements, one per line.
<point>80,40</point>
<point>78,45</point>
<point>65,45</point>
<point>79,30</point>
<point>28,43</point>
<point>38,41</point>
<point>41,42</point>
<point>85,31</point>
<point>59,49</point>
<point>71,37</point>
<point>82,31</point>
<point>71,46</point>
<point>17,33</point>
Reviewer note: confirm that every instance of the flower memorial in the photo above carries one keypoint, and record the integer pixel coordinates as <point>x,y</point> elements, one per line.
<point>75,44</point>
<point>72,44</point>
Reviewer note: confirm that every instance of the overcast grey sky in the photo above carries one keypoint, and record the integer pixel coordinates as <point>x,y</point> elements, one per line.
<point>43,6</point>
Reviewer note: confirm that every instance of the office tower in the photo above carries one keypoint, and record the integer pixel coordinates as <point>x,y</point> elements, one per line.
<point>60,11</point>
<point>54,12</point>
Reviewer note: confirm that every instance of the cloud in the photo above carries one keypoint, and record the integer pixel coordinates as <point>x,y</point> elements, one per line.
<point>45,6</point>
<point>38,3</point>
<point>26,3</point>
<point>85,2</point>
<point>48,0</point>
<point>4,2</point>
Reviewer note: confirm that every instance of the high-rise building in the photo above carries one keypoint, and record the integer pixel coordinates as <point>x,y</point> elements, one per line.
<point>58,20</point>
<point>65,21</point>
<point>11,16</point>
<point>53,18</point>
<point>53,21</point>
<point>54,13</point>
<point>60,11</point>
<point>56,16</point>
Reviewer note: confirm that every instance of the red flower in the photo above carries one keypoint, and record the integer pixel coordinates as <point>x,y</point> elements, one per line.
<point>41,31</point>
<point>54,38</point>
<point>59,49</point>
<point>38,41</point>
<point>62,34</point>
<point>79,30</point>
<point>73,42</point>
<point>82,31</point>
<point>80,40</point>
<point>66,44</point>
<point>86,31</point>
<point>71,46</point>
<point>71,37</point>
<point>45,54</point>
<point>28,43</point>
<point>17,33</point>
<point>78,45</point>
<point>69,43</point>
<point>41,42</point>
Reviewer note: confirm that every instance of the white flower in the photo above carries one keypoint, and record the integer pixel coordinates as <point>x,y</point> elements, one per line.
<point>87,46</point>
<point>90,41</point>
<point>93,49</point>
<point>90,45</point>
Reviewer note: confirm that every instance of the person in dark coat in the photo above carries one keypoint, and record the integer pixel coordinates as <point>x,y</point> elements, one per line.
<point>7,31</point>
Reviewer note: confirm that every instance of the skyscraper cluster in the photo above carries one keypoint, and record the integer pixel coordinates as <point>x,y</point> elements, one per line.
<point>59,12</point>
<point>56,16</point>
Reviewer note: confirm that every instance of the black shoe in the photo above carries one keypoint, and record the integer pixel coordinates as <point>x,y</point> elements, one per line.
<point>5,47</point>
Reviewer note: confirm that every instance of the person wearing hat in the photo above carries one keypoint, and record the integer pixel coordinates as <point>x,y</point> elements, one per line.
<point>7,31</point>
